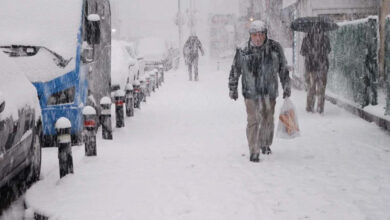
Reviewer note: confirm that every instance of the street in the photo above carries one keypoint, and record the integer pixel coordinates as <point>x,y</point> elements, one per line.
<point>184,156</point>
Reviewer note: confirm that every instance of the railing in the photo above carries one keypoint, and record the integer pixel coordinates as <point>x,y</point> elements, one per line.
<point>387,63</point>
<point>353,69</point>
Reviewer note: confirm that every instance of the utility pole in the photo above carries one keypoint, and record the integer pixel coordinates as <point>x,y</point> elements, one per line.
<point>191,16</point>
<point>180,23</point>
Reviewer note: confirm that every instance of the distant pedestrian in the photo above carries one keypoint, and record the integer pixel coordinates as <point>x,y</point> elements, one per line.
<point>315,48</point>
<point>191,56</point>
<point>259,63</point>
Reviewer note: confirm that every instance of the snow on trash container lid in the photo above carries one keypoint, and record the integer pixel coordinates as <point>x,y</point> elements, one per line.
<point>119,93</point>
<point>136,83</point>
<point>129,86</point>
<point>105,101</point>
<point>89,110</point>
<point>63,123</point>
<point>93,17</point>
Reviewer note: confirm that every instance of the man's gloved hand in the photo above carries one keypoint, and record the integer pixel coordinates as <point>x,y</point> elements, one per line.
<point>287,92</point>
<point>233,94</point>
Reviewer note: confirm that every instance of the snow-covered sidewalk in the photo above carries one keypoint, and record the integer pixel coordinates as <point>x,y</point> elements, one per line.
<point>184,156</point>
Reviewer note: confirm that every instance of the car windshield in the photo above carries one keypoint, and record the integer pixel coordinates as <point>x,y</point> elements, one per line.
<point>23,51</point>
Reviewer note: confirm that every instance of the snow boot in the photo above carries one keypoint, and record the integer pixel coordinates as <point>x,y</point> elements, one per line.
<point>266,150</point>
<point>254,158</point>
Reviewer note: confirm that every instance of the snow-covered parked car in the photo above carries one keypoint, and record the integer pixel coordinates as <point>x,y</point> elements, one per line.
<point>131,49</point>
<point>124,68</point>
<point>157,51</point>
<point>124,72</point>
<point>20,125</point>
<point>64,49</point>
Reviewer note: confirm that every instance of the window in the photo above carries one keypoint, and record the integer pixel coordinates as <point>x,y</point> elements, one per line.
<point>63,97</point>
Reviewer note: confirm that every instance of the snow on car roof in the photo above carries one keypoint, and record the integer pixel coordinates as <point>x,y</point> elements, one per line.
<point>54,24</point>
<point>41,67</point>
<point>15,89</point>
<point>120,63</point>
<point>50,23</point>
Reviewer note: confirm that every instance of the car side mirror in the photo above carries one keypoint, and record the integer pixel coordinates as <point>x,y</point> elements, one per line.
<point>2,106</point>
<point>93,29</point>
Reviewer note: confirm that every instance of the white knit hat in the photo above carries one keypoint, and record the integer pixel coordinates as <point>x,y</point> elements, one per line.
<point>257,26</point>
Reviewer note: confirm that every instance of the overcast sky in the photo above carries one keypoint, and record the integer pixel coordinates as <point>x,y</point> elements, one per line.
<point>141,18</point>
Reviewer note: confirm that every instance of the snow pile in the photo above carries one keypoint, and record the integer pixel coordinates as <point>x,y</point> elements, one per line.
<point>15,89</point>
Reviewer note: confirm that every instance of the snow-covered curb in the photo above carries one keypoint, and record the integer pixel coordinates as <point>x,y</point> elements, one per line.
<point>369,113</point>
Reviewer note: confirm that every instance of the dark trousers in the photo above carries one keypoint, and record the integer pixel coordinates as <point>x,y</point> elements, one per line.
<point>193,63</point>
<point>316,85</point>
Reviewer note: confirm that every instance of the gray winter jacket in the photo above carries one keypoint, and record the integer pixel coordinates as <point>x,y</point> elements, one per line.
<point>191,47</point>
<point>259,67</point>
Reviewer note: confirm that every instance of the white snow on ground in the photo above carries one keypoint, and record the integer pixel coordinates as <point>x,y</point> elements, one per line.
<point>184,156</point>
<point>377,110</point>
<point>15,211</point>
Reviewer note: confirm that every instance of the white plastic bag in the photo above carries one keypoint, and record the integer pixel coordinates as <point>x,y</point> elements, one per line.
<point>288,126</point>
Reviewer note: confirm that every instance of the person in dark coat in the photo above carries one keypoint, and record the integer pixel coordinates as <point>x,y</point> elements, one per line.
<point>315,48</point>
<point>259,63</point>
<point>191,55</point>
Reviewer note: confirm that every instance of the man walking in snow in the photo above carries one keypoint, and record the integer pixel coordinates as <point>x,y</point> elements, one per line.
<point>315,48</point>
<point>259,62</point>
<point>191,56</point>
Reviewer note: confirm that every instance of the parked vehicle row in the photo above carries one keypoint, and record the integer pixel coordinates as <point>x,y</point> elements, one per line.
<point>130,77</point>
<point>156,52</point>
<point>61,64</point>
<point>51,61</point>
<point>65,53</point>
